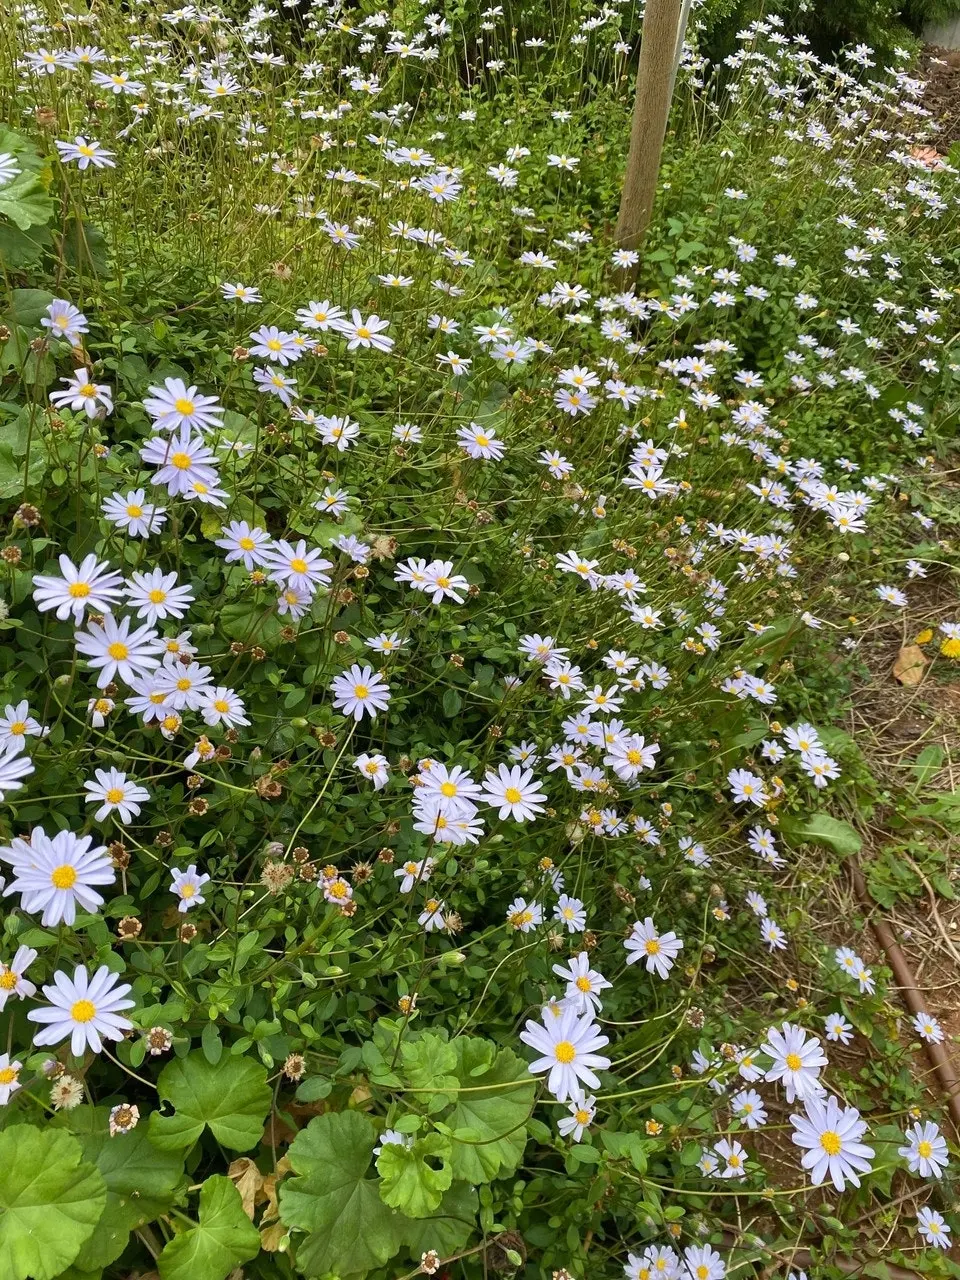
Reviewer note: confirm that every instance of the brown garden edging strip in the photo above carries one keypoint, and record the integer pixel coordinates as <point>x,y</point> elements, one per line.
<point>912,996</point>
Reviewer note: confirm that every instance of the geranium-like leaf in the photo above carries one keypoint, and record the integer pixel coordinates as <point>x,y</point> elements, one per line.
<point>449,1228</point>
<point>231,1099</point>
<point>25,201</point>
<point>495,1098</point>
<point>428,1064</point>
<point>415,1177</point>
<point>141,1182</point>
<point>51,1199</point>
<point>351,1230</point>
<point>223,1238</point>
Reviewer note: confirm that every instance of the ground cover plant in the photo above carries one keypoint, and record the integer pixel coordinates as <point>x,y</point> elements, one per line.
<point>428,635</point>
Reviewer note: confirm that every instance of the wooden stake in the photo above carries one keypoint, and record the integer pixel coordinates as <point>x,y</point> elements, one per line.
<point>651,109</point>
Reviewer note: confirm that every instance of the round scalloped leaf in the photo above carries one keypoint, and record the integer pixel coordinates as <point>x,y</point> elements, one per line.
<point>351,1230</point>
<point>51,1199</point>
<point>222,1240</point>
<point>231,1099</point>
<point>142,1182</point>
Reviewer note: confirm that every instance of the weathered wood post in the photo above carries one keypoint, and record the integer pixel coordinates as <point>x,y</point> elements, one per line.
<point>655,78</point>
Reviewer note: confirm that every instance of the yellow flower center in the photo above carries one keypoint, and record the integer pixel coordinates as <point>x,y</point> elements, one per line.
<point>171,723</point>
<point>181,461</point>
<point>925,1150</point>
<point>274,344</point>
<point>482,441</point>
<point>115,795</point>
<point>246,544</point>
<point>581,1116</point>
<point>8,980</point>
<point>83,1011</point>
<point>134,511</point>
<point>582,984</point>
<point>184,683</point>
<point>448,789</point>
<point>793,1061</point>
<point>79,590</point>
<point>88,389</point>
<point>634,757</point>
<point>18,728</point>
<point>85,150</point>
<point>64,876</point>
<point>831,1142</point>
<point>187,890</point>
<point>363,332</point>
<point>184,406</point>
<point>361,691</point>
<point>157,596</point>
<point>564,1051</point>
<point>8,1075</point>
<point>652,946</point>
<point>298,564</point>
<point>221,705</point>
<point>118,651</point>
<point>512,795</point>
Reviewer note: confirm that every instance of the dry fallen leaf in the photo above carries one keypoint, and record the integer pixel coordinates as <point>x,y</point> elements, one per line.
<point>270,1237</point>
<point>248,1180</point>
<point>910,664</point>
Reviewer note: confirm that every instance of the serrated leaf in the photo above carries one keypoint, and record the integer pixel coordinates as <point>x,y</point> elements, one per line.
<point>410,1183</point>
<point>141,1182</point>
<point>493,1106</point>
<point>223,1238</point>
<point>51,1199</point>
<point>351,1230</point>
<point>231,1098</point>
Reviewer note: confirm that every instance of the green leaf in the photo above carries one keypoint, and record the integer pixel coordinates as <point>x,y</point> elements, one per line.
<point>452,702</point>
<point>351,1230</point>
<point>410,1183</point>
<point>20,249</point>
<point>232,1098</point>
<point>820,828</point>
<point>490,1112</point>
<point>449,1228</point>
<point>429,1063</point>
<point>222,1240</point>
<point>25,201</point>
<point>927,763</point>
<point>28,306</point>
<point>50,1202</point>
<point>12,469</point>
<point>141,1182</point>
